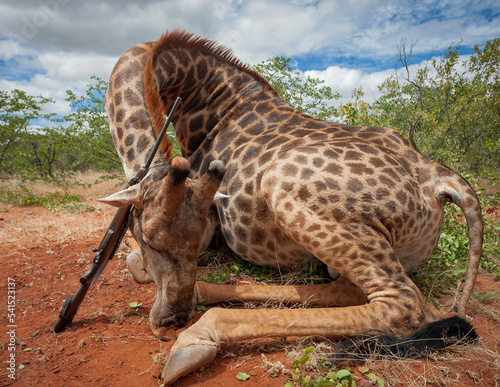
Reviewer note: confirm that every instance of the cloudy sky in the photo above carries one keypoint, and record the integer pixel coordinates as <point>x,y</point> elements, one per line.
<point>49,46</point>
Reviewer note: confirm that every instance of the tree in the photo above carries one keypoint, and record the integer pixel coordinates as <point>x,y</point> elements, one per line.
<point>17,111</point>
<point>357,112</point>
<point>46,150</point>
<point>92,146</point>
<point>449,109</point>
<point>304,93</point>
<point>81,140</point>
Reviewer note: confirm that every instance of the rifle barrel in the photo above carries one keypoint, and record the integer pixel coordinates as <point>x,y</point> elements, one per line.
<point>162,133</point>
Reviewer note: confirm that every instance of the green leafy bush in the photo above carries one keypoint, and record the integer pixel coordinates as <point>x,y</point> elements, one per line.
<point>314,371</point>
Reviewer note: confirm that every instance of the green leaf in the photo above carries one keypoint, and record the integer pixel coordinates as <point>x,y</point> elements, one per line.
<point>308,350</point>
<point>21,366</point>
<point>364,370</point>
<point>134,305</point>
<point>199,308</point>
<point>304,359</point>
<point>242,376</point>
<point>343,374</point>
<point>324,383</point>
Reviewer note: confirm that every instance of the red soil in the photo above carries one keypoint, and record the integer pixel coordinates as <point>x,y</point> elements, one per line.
<point>111,344</point>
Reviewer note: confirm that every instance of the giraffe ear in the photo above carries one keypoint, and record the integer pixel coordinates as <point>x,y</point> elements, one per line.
<point>125,197</point>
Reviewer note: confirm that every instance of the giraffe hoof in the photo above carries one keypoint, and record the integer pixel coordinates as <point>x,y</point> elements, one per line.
<point>186,360</point>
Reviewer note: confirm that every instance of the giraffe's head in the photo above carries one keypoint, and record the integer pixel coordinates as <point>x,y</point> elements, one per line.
<point>169,220</point>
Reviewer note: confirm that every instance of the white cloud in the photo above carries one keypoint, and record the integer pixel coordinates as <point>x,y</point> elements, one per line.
<point>10,49</point>
<point>263,29</point>
<point>68,66</point>
<point>57,72</point>
<point>61,43</point>
<point>49,88</point>
<point>345,80</point>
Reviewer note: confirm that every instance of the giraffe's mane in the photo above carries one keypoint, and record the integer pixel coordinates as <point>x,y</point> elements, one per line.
<point>185,39</point>
<point>182,38</point>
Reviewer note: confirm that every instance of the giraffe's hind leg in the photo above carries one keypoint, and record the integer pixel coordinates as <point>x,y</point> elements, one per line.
<point>322,210</point>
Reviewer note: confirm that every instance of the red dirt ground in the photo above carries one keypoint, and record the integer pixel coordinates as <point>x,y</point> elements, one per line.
<point>110,344</point>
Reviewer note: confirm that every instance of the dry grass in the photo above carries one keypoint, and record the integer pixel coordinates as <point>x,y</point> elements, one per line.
<point>34,226</point>
<point>89,184</point>
<point>443,368</point>
<point>487,303</point>
<point>216,261</point>
<point>440,369</point>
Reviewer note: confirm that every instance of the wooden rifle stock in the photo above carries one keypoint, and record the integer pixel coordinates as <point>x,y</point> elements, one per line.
<point>110,242</point>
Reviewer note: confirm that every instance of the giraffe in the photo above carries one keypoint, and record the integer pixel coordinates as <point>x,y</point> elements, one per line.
<point>360,199</point>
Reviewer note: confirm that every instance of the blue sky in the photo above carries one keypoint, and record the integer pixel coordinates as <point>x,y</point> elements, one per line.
<point>49,46</point>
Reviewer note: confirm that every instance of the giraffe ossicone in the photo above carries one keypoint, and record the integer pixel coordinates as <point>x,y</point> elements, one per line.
<point>360,199</point>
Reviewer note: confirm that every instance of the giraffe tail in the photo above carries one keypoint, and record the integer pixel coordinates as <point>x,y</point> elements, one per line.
<point>422,343</point>
<point>464,196</point>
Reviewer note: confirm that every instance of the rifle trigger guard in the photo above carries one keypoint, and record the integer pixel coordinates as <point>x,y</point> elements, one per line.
<point>133,181</point>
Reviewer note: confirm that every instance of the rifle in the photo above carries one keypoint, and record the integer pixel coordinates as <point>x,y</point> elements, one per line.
<point>110,242</point>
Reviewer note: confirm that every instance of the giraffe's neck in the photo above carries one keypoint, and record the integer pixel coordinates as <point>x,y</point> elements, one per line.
<point>213,93</point>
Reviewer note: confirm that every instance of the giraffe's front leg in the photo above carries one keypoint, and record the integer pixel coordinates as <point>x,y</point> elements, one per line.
<point>136,267</point>
<point>338,293</point>
<point>193,349</point>
<point>197,346</point>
